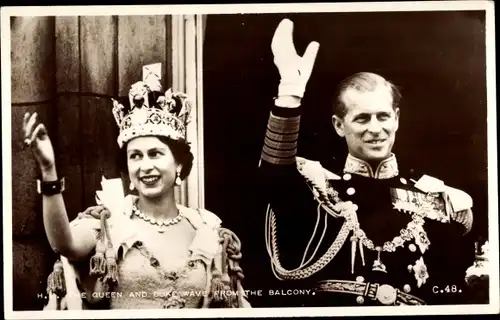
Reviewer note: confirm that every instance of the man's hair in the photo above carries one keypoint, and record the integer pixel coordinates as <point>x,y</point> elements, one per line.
<point>363,82</point>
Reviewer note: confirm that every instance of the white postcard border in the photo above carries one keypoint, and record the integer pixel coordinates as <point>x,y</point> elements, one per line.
<point>7,12</point>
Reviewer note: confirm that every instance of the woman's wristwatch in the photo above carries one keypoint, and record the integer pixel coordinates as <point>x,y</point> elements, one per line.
<point>50,188</point>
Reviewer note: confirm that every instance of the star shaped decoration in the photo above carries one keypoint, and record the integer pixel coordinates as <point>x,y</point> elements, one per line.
<point>421,274</point>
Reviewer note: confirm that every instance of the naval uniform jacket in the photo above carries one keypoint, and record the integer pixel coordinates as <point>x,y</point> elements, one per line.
<point>421,234</point>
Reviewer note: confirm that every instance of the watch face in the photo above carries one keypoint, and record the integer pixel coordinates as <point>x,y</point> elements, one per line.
<point>50,187</point>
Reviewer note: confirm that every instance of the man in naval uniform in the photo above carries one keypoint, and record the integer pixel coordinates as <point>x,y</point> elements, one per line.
<point>370,234</point>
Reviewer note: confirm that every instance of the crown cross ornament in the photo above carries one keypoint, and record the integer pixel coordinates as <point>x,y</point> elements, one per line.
<point>151,113</point>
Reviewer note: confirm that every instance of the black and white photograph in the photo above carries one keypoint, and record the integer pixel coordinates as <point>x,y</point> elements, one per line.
<point>250,160</point>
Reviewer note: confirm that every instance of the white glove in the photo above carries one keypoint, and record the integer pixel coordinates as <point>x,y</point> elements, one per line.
<point>294,69</point>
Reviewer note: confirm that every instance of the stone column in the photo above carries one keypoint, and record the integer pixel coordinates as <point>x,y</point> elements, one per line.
<point>33,88</point>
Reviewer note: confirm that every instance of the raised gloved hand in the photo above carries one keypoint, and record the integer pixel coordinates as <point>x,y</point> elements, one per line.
<point>294,69</point>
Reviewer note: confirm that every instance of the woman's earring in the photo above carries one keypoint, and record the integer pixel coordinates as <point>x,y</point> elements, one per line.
<point>178,180</point>
<point>131,186</point>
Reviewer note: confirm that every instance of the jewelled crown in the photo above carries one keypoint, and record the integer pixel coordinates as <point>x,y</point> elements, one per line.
<point>148,112</point>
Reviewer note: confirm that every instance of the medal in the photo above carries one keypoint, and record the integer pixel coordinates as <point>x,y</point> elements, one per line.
<point>355,240</point>
<point>414,230</point>
<point>377,264</point>
<point>353,252</point>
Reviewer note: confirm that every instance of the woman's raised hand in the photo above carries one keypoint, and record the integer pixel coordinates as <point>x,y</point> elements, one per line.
<point>36,137</point>
<point>294,69</point>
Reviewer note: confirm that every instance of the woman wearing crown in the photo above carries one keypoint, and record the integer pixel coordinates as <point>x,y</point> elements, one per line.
<point>141,251</point>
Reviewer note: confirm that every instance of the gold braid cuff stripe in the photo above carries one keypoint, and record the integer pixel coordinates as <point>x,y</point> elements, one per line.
<point>283,120</point>
<point>284,125</point>
<point>275,160</point>
<point>290,137</point>
<point>279,153</point>
<point>279,145</point>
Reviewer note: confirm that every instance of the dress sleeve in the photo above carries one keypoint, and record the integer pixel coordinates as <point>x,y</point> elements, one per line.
<point>70,282</point>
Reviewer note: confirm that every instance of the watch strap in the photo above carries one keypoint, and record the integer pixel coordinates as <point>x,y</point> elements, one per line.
<point>50,188</point>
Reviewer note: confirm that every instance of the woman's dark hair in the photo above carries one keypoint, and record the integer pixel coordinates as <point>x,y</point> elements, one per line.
<point>180,150</point>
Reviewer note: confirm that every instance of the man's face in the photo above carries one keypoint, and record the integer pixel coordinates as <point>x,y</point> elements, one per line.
<point>369,125</point>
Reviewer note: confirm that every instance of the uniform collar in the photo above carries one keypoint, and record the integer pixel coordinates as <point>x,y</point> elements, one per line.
<point>386,169</point>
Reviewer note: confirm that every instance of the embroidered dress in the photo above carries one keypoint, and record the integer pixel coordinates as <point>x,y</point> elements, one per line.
<point>157,270</point>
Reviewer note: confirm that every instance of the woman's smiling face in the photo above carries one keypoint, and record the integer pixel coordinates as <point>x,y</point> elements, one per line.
<point>151,166</point>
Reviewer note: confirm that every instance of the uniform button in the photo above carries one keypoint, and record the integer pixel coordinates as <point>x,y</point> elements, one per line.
<point>412,247</point>
<point>350,191</point>
<point>360,279</point>
<point>403,180</point>
<point>406,288</point>
<point>360,300</point>
<point>347,177</point>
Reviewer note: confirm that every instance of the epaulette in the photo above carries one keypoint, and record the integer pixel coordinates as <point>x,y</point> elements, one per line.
<point>459,199</point>
<point>316,176</point>
<point>457,203</point>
